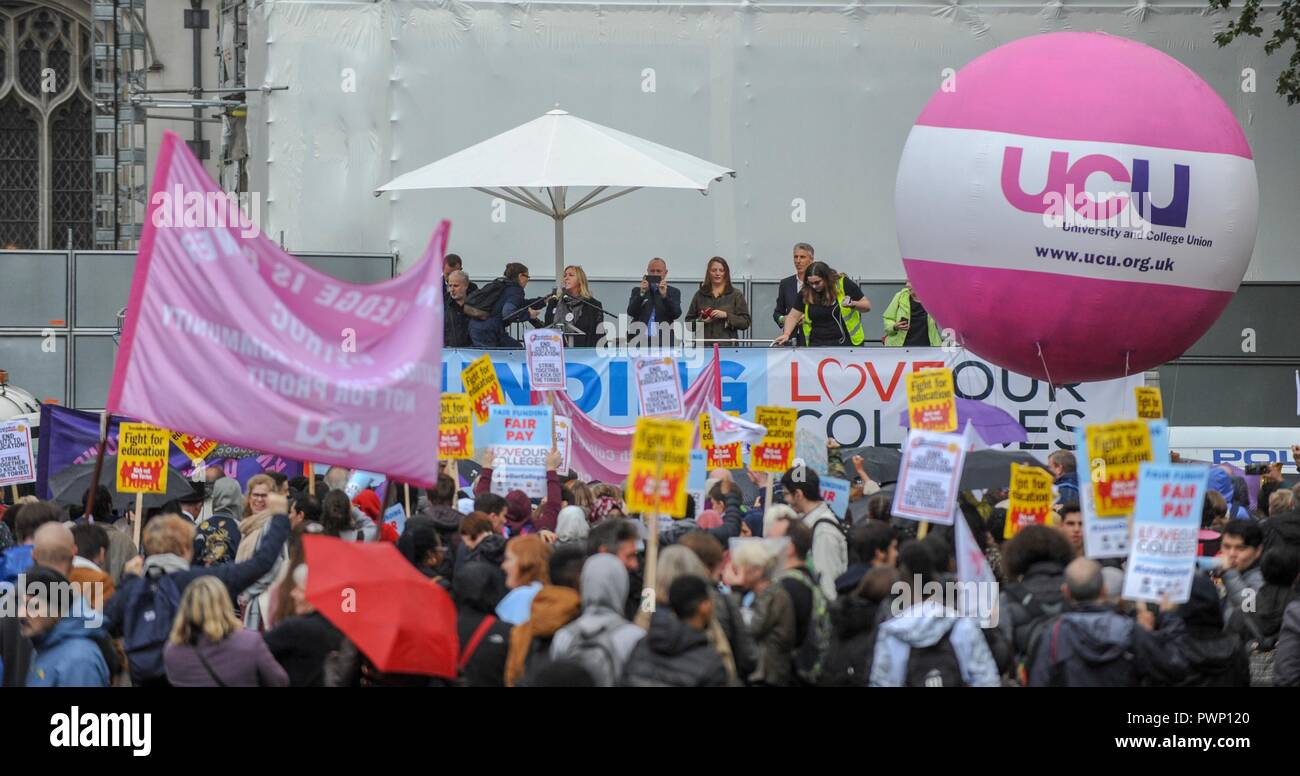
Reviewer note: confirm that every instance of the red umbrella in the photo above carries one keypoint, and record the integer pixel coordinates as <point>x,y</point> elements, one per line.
<point>398,618</point>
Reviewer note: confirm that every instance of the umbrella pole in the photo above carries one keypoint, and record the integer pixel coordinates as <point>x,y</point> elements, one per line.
<point>139,518</point>
<point>104,421</point>
<point>557,201</point>
<point>406,490</point>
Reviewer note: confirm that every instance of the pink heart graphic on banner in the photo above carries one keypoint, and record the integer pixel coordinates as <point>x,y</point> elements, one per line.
<point>821,377</point>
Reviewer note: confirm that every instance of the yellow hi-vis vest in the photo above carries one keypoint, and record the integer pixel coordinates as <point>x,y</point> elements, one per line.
<point>849,315</point>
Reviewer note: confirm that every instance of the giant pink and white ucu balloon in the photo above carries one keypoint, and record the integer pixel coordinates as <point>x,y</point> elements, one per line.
<point>1076,206</point>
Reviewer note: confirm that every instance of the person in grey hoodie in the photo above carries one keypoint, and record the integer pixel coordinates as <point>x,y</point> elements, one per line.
<point>600,639</point>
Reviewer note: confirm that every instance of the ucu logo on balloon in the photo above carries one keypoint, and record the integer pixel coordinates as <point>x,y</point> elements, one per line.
<point>337,435</point>
<point>1067,184</point>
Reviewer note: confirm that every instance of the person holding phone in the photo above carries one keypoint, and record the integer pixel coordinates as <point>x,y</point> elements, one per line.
<point>720,306</point>
<point>907,324</point>
<point>654,302</point>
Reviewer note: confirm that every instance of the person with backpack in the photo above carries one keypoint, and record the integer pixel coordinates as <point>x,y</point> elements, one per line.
<point>926,643</point>
<point>765,607</point>
<point>676,650</point>
<point>1092,645</point>
<point>854,616</point>
<point>209,647</point>
<point>600,640</point>
<point>144,607</point>
<point>830,543</point>
<point>499,299</point>
<point>1033,563</point>
<point>812,620</point>
<point>477,588</point>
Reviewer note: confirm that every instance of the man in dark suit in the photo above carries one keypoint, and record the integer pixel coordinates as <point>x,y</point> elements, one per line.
<point>788,296</point>
<point>657,306</point>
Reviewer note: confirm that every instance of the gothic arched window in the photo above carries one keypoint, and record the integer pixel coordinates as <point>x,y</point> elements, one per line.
<point>46,145</point>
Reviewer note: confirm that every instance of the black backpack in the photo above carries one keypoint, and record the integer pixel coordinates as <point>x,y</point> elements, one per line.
<point>487,297</point>
<point>934,666</point>
<point>147,624</point>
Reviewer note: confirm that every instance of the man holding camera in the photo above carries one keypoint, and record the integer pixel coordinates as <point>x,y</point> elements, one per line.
<point>654,302</point>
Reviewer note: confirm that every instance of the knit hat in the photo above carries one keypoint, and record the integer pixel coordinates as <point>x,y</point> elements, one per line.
<point>709,518</point>
<point>368,502</point>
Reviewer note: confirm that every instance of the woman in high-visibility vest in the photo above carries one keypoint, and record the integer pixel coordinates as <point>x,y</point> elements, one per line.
<point>832,310</point>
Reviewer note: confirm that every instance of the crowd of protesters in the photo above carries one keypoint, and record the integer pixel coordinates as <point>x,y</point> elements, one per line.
<point>556,592</point>
<point>816,306</point>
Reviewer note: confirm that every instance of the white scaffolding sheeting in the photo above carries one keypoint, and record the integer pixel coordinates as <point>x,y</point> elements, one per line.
<point>809,102</point>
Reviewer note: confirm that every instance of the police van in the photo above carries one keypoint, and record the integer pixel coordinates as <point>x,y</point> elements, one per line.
<point>1240,446</point>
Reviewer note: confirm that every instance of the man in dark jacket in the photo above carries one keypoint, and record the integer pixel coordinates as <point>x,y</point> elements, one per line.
<point>1215,658</point>
<point>657,306</point>
<point>676,650</point>
<point>788,293</point>
<point>455,319</point>
<point>1282,529</point>
<point>1065,475</point>
<point>484,640</point>
<point>1092,645</point>
<point>872,544</point>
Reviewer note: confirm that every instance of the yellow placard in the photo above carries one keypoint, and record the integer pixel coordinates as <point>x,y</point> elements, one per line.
<point>481,385</point>
<point>932,400</point>
<point>142,458</point>
<point>725,457</point>
<point>661,464</point>
<point>1149,404</point>
<point>455,428</point>
<point>1114,452</point>
<point>776,452</point>
<point>1031,498</point>
<point>196,448</point>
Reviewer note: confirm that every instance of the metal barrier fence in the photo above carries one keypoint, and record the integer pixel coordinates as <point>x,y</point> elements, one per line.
<point>58,315</point>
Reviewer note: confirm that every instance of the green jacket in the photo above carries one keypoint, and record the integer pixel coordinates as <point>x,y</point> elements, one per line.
<point>900,307</point>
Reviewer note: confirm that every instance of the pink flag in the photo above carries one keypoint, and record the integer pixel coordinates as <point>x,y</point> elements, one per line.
<point>604,453</point>
<point>229,337</point>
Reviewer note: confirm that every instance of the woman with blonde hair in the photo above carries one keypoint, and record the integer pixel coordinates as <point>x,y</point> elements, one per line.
<point>255,600</point>
<point>209,648</point>
<point>577,308</point>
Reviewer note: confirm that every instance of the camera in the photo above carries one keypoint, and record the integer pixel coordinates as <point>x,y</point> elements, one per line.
<point>653,280</point>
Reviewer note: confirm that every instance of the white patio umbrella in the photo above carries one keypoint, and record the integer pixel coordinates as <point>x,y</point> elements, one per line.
<point>555,153</point>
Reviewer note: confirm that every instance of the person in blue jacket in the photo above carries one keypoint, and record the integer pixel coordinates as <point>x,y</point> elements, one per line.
<point>66,636</point>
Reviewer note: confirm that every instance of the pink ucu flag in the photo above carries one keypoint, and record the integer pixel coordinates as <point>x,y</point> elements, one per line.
<point>229,337</point>
<point>1066,186</point>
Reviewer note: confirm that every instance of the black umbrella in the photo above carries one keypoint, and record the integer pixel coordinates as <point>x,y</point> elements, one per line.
<point>881,463</point>
<point>71,483</point>
<point>992,468</point>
